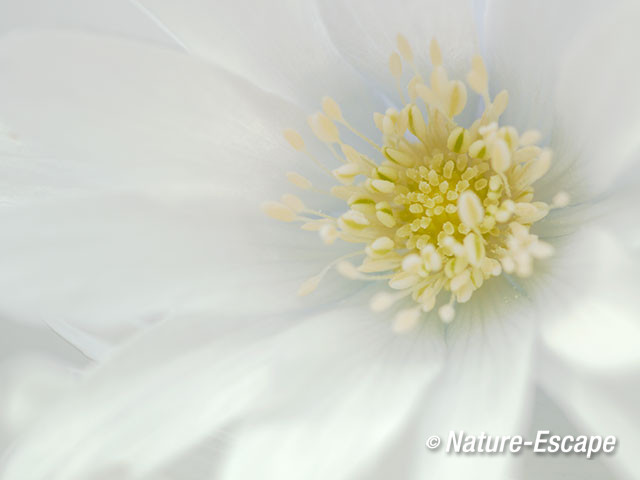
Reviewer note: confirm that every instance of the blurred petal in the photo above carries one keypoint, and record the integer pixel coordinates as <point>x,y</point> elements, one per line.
<point>549,416</point>
<point>156,168</point>
<point>486,386</point>
<point>589,361</point>
<point>30,384</point>
<point>18,338</point>
<point>118,115</point>
<point>365,32</point>
<point>561,65</point>
<point>282,47</point>
<point>349,387</point>
<point>603,402</point>
<point>525,46</point>
<point>166,391</point>
<point>110,265</point>
<point>36,366</point>
<point>597,103</point>
<point>620,214</point>
<point>597,335</point>
<point>593,309</point>
<point>119,17</point>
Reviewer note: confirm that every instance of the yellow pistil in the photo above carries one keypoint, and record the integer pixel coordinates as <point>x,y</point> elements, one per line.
<point>444,208</point>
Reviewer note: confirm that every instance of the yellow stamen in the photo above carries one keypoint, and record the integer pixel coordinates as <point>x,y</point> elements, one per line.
<point>445,208</point>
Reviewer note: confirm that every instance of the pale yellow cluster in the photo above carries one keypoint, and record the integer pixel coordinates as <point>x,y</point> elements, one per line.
<point>444,209</point>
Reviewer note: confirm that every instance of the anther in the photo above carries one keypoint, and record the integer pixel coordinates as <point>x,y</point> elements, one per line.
<point>331,109</point>
<point>294,139</point>
<point>441,210</point>
<point>299,181</point>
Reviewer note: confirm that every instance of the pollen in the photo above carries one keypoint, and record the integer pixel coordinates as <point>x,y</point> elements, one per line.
<point>440,208</point>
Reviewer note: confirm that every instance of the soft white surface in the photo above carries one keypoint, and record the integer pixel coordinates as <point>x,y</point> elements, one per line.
<point>365,31</point>
<point>157,206</point>
<point>143,199</point>
<point>283,47</point>
<point>116,17</point>
<point>170,388</point>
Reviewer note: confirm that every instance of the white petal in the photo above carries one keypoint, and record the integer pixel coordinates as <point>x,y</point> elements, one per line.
<point>600,402</point>
<point>18,338</point>
<point>36,366</point>
<point>200,462</point>
<point>548,416</point>
<point>119,17</point>
<point>111,265</point>
<point>620,215</point>
<point>525,45</point>
<point>282,47</point>
<point>596,335</point>
<point>588,360</point>
<point>165,392</point>
<point>590,366</point>
<point>203,147</point>
<point>486,387</point>
<point>348,386</point>
<point>30,383</point>
<point>92,344</point>
<point>365,33</point>
<point>121,115</point>
<point>597,104</point>
<point>590,297</point>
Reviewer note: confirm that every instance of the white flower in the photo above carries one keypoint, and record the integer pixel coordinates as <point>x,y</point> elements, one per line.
<point>142,208</point>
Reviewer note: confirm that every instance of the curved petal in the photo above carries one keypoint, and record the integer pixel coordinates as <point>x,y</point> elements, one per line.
<point>620,215</point>
<point>561,65</point>
<point>166,391</point>
<point>597,104</point>
<point>200,462</point>
<point>18,338</point>
<point>601,403</point>
<point>119,17</point>
<point>348,387</point>
<point>365,32</point>
<point>614,212</point>
<point>589,358</point>
<point>596,325</point>
<point>30,383</point>
<point>486,386</point>
<point>117,115</point>
<point>282,47</point>
<point>150,197</point>
<point>608,336</point>
<point>183,380</point>
<point>113,264</point>
<point>526,44</point>
<point>591,288</point>
<point>548,416</point>
<point>36,365</point>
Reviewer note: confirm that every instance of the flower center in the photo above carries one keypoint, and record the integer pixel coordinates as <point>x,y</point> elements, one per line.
<point>444,208</point>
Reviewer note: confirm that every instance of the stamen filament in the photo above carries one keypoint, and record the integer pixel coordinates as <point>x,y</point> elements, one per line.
<point>445,209</point>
